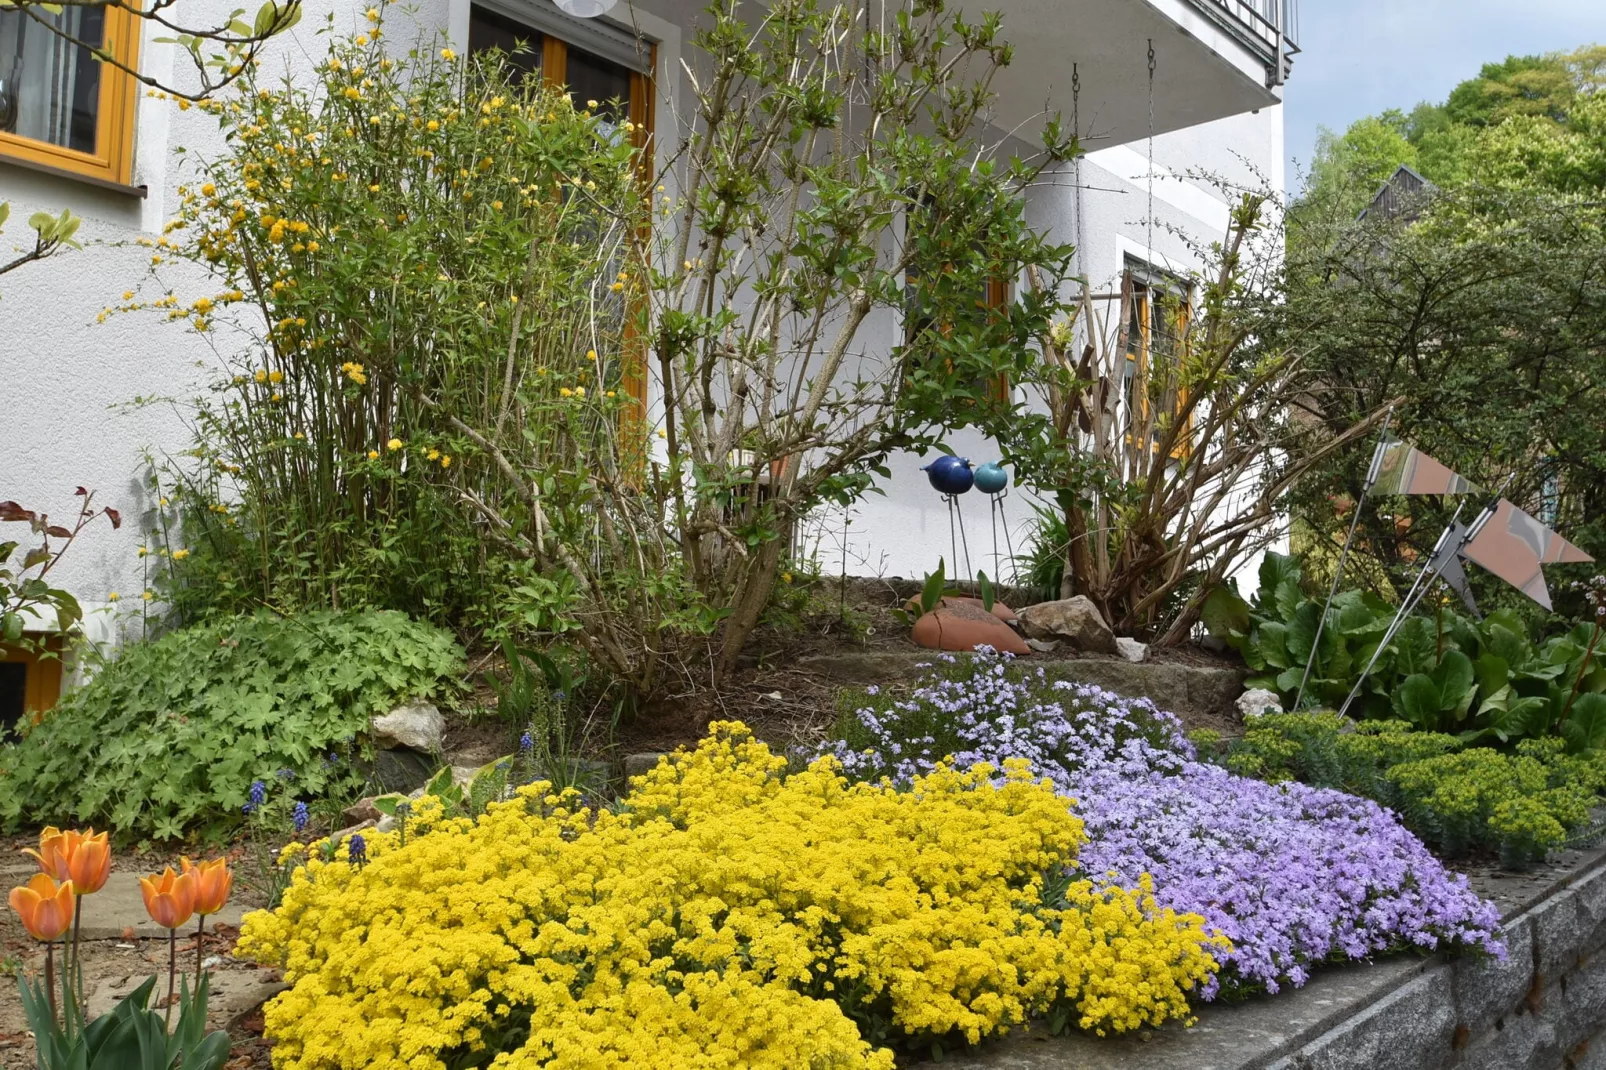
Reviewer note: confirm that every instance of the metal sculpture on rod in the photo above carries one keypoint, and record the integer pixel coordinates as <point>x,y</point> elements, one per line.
<point>950,477</point>
<point>993,481</point>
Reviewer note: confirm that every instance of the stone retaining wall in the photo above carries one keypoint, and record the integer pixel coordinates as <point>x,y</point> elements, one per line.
<point>1544,1008</point>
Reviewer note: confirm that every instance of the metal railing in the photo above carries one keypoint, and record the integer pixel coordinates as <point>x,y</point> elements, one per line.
<point>1269,27</point>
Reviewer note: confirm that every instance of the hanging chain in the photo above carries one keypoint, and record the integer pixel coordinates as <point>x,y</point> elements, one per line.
<point>1151,153</point>
<point>1076,94</point>
<point>1076,174</point>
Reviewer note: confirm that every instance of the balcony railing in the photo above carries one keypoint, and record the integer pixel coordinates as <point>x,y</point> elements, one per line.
<point>1269,28</point>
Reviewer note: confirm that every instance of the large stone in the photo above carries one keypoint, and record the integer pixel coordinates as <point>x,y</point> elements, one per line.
<point>1075,620</point>
<point>402,769</point>
<point>417,726</point>
<point>231,994</point>
<point>1405,1030</point>
<point>1491,988</point>
<point>1132,650</point>
<point>965,625</point>
<point>119,907</point>
<point>640,764</point>
<point>1256,701</point>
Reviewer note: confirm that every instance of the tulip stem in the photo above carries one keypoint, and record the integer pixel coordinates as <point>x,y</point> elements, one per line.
<point>78,951</point>
<point>172,969</point>
<point>50,978</point>
<point>200,933</point>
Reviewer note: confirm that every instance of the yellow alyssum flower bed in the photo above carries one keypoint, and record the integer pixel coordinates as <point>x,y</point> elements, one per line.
<point>725,916</point>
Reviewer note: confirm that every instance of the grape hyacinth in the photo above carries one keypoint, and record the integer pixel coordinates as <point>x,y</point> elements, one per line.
<point>299,816</point>
<point>1292,875</point>
<point>258,796</point>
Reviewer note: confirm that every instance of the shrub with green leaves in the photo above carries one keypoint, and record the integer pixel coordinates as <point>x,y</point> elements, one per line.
<point>1456,797</point>
<point>168,738</point>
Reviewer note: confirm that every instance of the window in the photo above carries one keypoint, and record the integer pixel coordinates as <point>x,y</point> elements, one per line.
<point>613,68</point>
<point>1157,309</point>
<point>29,683</point>
<point>59,106</point>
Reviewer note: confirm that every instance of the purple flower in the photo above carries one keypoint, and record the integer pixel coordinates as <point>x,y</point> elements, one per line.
<point>1293,875</point>
<point>356,849</point>
<point>258,796</point>
<point>299,816</point>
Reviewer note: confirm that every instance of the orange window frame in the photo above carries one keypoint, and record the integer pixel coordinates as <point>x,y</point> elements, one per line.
<point>43,688</point>
<point>1141,296</point>
<point>113,158</point>
<point>642,113</point>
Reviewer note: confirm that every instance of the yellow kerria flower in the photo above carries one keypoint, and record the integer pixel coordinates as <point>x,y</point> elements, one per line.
<point>208,190</point>
<point>179,555</point>
<point>373,14</point>
<point>276,377</point>
<point>432,126</point>
<point>579,391</point>
<point>113,596</point>
<point>373,455</point>
<point>591,354</point>
<point>394,444</point>
<point>448,55</point>
<point>446,461</point>
<point>261,375</point>
<point>432,455</point>
<point>148,595</point>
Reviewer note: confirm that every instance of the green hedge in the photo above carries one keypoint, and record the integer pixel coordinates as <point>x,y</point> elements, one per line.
<point>167,739</point>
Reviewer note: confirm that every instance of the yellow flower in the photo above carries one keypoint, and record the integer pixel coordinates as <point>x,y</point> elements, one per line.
<point>616,287</point>
<point>179,555</point>
<point>113,596</point>
<point>147,595</point>
<point>128,295</point>
<point>208,190</point>
<point>591,354</point>
<point>261,375</point>
<point>354,372</point>
<point>373,455</point>
<point>565,391</point>
<point>394,444</point>
<point>446,460</point>
<point>579,391</point>
<point>432,125</point>
<point>362,39</point>
<point>432,455</point>
<point>373,14</point>
<point>351,92</point>
<point>448,55</point>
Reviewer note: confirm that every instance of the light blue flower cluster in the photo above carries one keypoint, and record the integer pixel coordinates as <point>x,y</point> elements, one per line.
<point>1293,875</point>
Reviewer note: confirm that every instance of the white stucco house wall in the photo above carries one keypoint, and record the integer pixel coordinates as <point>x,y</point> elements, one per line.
<point>66,379</point>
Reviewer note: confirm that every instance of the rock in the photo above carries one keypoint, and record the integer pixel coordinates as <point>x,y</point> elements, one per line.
<point>232,994</point>
<point>963,626</point>
<point>361,810</point>
<point>401,769</point>
<point>1131,649</point>
<point>637,764</point>
<point>1257,700</point>
<point>417,726</point>
<point>1075,620</point>
<point>1043,646</point>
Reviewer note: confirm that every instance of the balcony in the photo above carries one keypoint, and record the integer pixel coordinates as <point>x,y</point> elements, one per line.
<point>1213,59</point>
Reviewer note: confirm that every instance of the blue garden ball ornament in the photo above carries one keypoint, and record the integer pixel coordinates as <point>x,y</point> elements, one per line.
<point>991,478</point>
<point>950,475</point>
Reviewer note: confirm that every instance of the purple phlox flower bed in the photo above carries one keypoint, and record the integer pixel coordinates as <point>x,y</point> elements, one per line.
<point>1292,875</point>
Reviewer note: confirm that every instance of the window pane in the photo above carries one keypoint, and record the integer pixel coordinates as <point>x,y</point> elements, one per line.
<point>488,30</point>
<point>594,78</point>
<point>49,89</point>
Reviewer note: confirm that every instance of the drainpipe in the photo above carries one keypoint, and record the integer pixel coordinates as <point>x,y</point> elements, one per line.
<point>1279,14</point>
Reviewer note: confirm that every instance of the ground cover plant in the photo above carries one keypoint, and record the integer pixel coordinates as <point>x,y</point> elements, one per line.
<point>1292,875</point>
<point>1455,796</point>
<point>169,738</point>
<point>723,915</point>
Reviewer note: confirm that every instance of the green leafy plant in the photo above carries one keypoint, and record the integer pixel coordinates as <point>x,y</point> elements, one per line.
<point>131,1036</point>
<point>51,232</point>
<point>1455,796</point>
<point>934,589</point>
<point>26,595</point>
<point>168,738</point>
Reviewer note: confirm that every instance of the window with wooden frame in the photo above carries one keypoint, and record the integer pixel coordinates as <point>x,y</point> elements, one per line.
<point>594,61</point>
<point>30,681</point>
<point>1156,311</point>
<point>60,107</point>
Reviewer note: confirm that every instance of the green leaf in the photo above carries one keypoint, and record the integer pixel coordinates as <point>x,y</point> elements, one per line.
<point>266,16</point>
<point>1585,726</point>
<point>931,593</point>
<point>1456,682</point>
<point>1417,700</point>
<point>986,587</point>
<point>1273,645</point>
<point>1226,616</point>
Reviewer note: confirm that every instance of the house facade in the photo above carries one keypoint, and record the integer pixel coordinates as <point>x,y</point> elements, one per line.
<point>1159,89</point>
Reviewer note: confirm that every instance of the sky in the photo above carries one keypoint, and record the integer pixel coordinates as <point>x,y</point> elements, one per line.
<point>1361,56</point>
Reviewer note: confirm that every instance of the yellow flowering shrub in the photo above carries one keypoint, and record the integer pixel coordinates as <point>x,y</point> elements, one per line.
<point>724,916</point>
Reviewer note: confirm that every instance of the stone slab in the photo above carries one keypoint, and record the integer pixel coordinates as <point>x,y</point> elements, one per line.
<point>119,906</point>
<point>232,994</point>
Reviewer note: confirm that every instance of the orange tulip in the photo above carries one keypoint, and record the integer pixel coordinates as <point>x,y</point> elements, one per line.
<point>213,882</point>
<point>90,864</point>
<point>46,908</point>
<point>169,898</point>
<point>55,848</point>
